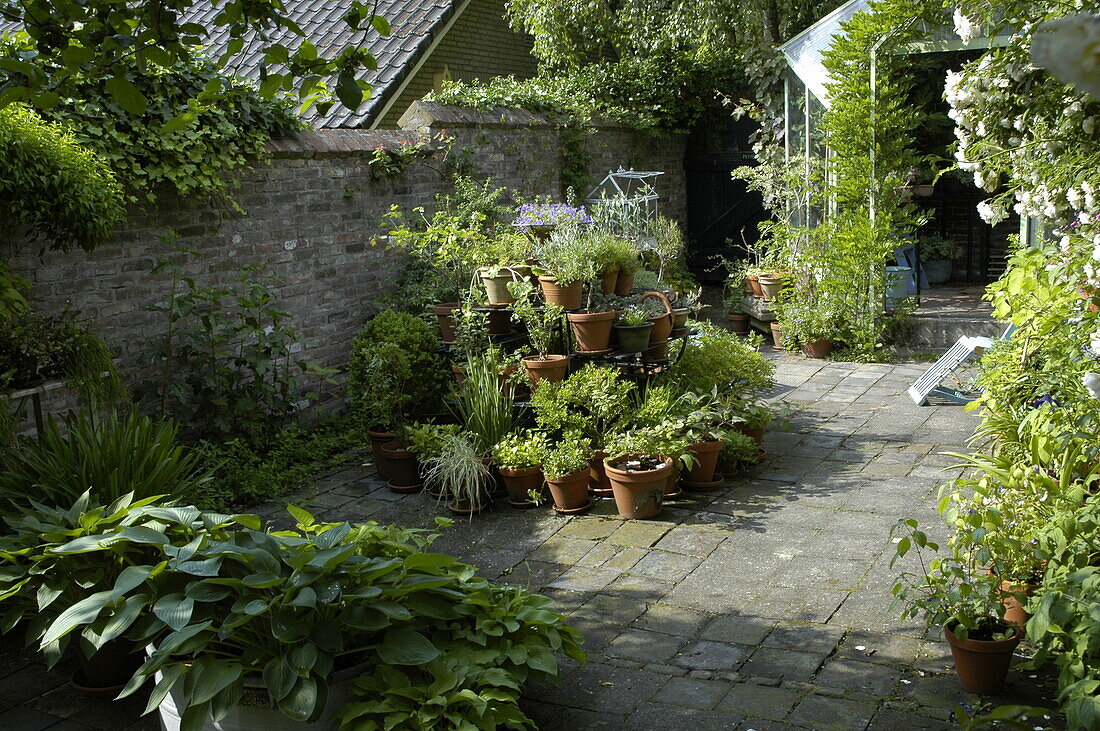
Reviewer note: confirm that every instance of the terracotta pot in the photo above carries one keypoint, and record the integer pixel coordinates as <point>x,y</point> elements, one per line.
<point>771,285</point>
<point>567,297</point>
<point>706,454</point>
<point>570,492</point>
<point>496,286</point>
<point>104,674</point>
<point>818,349</point>
<point>551,369</point>
<point>519,484</point>
<point>638,495</point>
<point>777,335</point>
<point>672,484</point>
<point>404,469</point>
<point>1014,598</point>
<point>445,314</point>
<point>598,483</point>
<point>662,324</point>
<point>633,338</point>
<point>377,440</point>
<point>499,320</point>
<point>609,278</point>
<point>981,665</point>
<point>656,352</point>
<point>680,317</point>
<point>625,283</point>
<point>754,285</point>
<point>592,330</point>
<point>748,287</point>
<point>757,433</point>
<point>739,324</point>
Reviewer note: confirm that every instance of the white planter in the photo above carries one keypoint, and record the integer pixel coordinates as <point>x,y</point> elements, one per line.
<point>938,271</point>
<point>897,285</point>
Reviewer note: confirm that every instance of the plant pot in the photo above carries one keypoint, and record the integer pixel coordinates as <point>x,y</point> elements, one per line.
<point>662,324</point>
<point>818,349</point>
<point>496,285</point>
<point>404,469</point>
<point>567,297</point>
<point>445,315</point>
<point>625,283</point>
<point>680,317</point>
<point>938,271</point>
<point>638,495</point>
<point>754,285</point>
<point>704,485</point>
<point>378,439</point>
<point>1015,613</point>
<point>672,483</point>
<point>897,285</point>
<point>553,368</point>
<point>771,285</point>
<point>633,338</point>
<point>592,330</point>
<point>923,190</point>
<point>777,335</point>
<point>520,483</point>
<point>570,492</point>
<point>598,484</point>
<point>757,433</point>
<point>609,278</point>
<point>465,507</point>
<point>499,319</point>
<point>706,455</point>
<point>739,324</point>
<point>981,665</point>
<point>106,672</point>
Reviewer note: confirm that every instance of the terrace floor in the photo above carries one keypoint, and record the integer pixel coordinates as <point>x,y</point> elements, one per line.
<point>764,605</point>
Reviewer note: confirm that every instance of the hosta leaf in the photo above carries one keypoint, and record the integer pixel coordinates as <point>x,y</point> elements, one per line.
<point>279,677</point>
<point>406,647</point>
<point>174,610</point>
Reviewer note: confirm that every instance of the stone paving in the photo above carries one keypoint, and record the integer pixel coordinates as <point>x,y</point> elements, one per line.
<point>765,605</point>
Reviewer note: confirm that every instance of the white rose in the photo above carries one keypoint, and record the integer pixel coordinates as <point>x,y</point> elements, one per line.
<point>1069,48</point>
<point>1092,383</point>
<point>965,29</point>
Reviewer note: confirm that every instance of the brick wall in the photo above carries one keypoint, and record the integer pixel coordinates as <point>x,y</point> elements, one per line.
<point>480,45</point>
<point>312,210</point>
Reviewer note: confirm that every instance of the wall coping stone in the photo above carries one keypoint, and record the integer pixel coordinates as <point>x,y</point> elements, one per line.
<point>423,116</point>
<point>331,143</point>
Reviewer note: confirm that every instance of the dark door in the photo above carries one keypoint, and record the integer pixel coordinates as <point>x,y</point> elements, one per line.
<point>721,213</point>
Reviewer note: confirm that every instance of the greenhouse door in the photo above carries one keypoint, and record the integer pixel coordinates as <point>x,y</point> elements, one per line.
<point>721,213</point>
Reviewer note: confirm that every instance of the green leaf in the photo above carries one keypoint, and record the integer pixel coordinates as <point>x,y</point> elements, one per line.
<point>406,647</point>
<point>174,610</point>
<point>301,515</point>
<point>208,676</point>
<point>303,657</point>
<point>348,90</point>
<point>83,612</point>
<point>381,25</point>
<point>168,677</point>
<point>126,95</point>
<point>279,677</point>
<point>303,701</point>
<point>262,580</point>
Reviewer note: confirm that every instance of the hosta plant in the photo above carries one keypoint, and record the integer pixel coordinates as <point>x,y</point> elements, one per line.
<point>287,610</point>
<point>58,565</point>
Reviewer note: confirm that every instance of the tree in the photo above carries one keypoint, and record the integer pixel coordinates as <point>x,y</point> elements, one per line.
<point>96,38</point>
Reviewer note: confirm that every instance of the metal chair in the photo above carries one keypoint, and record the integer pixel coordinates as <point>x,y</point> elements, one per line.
<point>931,383</point>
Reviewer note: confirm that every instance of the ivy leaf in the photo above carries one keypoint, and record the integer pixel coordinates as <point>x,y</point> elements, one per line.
<point>126,95</point>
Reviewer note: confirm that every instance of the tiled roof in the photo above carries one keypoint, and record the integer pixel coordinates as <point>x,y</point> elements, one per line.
<point>414,25</point>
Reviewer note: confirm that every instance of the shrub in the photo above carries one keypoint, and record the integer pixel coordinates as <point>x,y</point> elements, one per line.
<point>594,401</point>
<point>738,451</point>
<point>52,186</point>
<point>566,456</point>
<point>395,373</point>
<point>520,450</point>
<point>108,455</point>
<point>715,358</point>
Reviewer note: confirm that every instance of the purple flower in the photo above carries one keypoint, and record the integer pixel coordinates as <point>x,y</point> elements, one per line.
<point>1045,401</point>
<point>550,214</point>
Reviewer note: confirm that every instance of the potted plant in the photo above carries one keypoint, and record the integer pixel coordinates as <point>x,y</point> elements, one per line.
<point>503,255</point>
<point>952,591</point>
<point>592,325</point>
<point>540,219</point>
<point>613,254</point>
<point>810,323</point>
<point>594,401</point>
<point>936,254</point>
<point>426,441</point>
<point>484,412</point>
<point>565,465</point>
<point>395,374</point>
<point>703,422</point>
<point>638,483</point>
<point>628,269</point>
<point>519,458</point>
<point>402,466</point>
<point>739,451</point>
<point>632,329</point>
<point>666,439</point>
<point>567,261</point>
<point>544,330</point>
<point>462,474</point>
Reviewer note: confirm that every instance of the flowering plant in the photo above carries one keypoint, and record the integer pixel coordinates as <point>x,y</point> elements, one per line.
<point>550,214</point>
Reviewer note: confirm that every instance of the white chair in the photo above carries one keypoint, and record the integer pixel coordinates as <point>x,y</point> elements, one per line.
<point>931,383</point>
